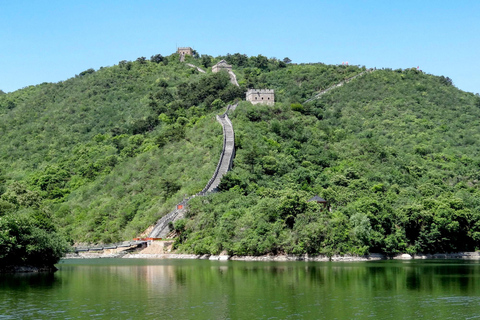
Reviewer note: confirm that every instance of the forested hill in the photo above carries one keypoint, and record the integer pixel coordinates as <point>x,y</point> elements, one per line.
<point>103,155</point>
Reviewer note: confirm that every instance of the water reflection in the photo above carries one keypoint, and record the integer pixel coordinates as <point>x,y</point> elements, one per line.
<point>24,281</point>
<point>162,289</point>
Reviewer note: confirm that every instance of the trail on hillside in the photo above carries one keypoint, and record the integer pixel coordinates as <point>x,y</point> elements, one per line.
<point>319,94</point>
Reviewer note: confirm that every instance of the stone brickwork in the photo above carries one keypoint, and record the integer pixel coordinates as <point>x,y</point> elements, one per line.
<point>185,51</point>
<point>222,65</point>
<point>264,96</point>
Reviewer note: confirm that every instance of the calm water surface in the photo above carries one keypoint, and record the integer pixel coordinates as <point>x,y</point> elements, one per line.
<point>199,289</point>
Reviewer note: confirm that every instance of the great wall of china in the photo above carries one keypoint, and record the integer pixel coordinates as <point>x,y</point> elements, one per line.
<point>161,229</point>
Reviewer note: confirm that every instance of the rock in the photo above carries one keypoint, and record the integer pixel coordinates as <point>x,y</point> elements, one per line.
<point>404,256</point>
<point>376,256</point>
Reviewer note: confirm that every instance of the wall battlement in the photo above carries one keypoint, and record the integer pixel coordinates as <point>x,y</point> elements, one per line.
<point>265,96</point>
<point>261,91</point>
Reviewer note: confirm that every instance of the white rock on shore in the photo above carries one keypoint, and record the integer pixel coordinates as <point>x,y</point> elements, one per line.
<point>404,256</point>
<point>225,257</point>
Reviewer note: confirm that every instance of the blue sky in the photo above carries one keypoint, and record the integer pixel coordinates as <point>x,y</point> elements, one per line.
<point>50,41</point>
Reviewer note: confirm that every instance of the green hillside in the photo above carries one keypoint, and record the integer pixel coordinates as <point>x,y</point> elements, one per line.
<point>103,155</point>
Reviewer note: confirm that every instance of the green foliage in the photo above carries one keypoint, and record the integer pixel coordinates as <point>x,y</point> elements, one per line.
<point>157,58</point>
<point>23,242</point>
<point>208,89</point>
<point>297,107</point>
<point>28,235</point>
<point>101,156</point>
<point>393,163</point>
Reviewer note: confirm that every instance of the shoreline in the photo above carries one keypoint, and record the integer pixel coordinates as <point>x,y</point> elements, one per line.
<point>306,257</point>
<point>27,269</point>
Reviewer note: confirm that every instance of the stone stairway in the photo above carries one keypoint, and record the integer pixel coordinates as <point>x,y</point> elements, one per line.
<point>161,228</point>
<point>233,78</point>
<point>228,152</point>
<point>194,66</point>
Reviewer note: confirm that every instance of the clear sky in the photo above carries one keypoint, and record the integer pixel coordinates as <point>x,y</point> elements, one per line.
<point>50,41</point>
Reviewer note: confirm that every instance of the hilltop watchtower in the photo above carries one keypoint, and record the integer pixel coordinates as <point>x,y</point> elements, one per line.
<point>265,96</point>
<point>185,51</point>
<point>222,65</point>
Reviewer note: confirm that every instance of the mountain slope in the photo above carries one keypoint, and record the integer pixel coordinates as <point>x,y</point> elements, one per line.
<point>394,153</point>
<point>106,153</point>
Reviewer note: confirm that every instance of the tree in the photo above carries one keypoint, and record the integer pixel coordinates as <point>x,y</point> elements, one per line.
<point>2,92</point>
<point>23,242</point>
<point>141,60</point>
<point>287,60</point>
<point>446,81</point>
<point>88,71</point>
<point>157,58</point>
<point>260,62</point>
<point>206,60</point>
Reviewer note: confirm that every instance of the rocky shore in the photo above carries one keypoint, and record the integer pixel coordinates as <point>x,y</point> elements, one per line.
<point>335,258</point>
<point>163,250</point>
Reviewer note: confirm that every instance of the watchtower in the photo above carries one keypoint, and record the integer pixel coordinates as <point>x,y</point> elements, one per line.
<point>185,51</point>
<point>265,96</point>
<point>222,65</point>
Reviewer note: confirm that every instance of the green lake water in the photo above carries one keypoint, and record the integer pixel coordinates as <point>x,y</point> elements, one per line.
<point>202,289</point>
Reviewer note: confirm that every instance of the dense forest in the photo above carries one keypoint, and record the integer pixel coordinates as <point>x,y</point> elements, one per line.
<point>103,155</point>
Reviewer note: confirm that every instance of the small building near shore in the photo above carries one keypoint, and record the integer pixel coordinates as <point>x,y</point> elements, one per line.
<point>222,65</point>
<point>264,96</point>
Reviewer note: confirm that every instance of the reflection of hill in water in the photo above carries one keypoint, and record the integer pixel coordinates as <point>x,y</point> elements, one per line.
<point>25,281</point>
<point>203,289</point>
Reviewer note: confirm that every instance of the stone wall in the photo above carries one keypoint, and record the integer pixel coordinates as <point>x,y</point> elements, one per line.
<point>265,96</point>
<point>161,228</point>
